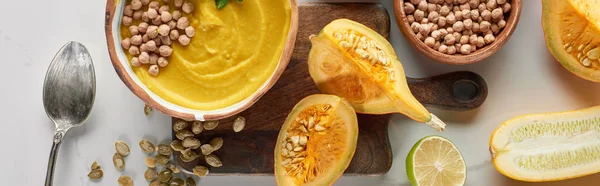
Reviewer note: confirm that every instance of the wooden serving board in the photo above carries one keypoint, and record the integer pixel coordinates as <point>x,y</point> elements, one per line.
<point>250,152</point>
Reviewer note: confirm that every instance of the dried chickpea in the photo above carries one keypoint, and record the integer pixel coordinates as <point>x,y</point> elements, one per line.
<point>184,40</point>
<point>153,70</point>
<point>458,15</point>
<point>481,7</point>
<point>410,18</point>
<point>172,24</point>
<point>444,11</point>
<point>495,29</point>
<point>182,23</point>
<point>136,40</point>
<point>135,62</point>
<point>501,24</point>
<point>451,50</point>
<point>464,39</point>
<point>190,31</point>
<point>443,33</point>
<point>506,7</point>
<point>156,21</point>
<point>437,45</point>
<point>462,1</point>
<point>429,41</point>
<point>436,34</point>
<point>157,41</point>
<point>441,21</point>
<point>473,40</point>
<point>409,8</point>
<point>151,45</point>
<point>145,2</point>
<point>433,16</point>
<point>153,59</point>
<point>497,14</point>
<point>142,27</point>
<point>465,49</point>
<point>468,24</point>
<point>126,43</point>
<point>484,26</point>
<point>475,27</point>
<point>165,40</point>
<point>474,3</point>
<point>126,20</point>
<point>420,36</point>
<point>162,62</point>
<point>152,31</point>
<point>143,48</point>
<point>176,14</point>
<point>474,14</point>
<point>165,51</point>
<point>458,26</point>
<point>145,38</point>
<point>165,17</point>
<point>464,7</point>
<point>467,32</point>
<point>500,1</point>
<point>486,15</point>
<point>152,13</point>
<point>450,19</point>
<point>134,50</point>
<point>154,5</point>
<point>424,21</point>
<point>449,39</point>
<point>138,14</point>
<point>450,30</point>
<point>422,6</point>
<point>416,27</point>
<point>163,8</point>
<point>425,29</point>
<point>491,4</point>
<point>415,2</point>
<point>127,11</point>
<point>455,8</point>
<point>449,2</point>
<point>134,30</point>
<point>489,38</point>
<point>433,26</point>
<point>466,14</point>
<point>187,7</point>
<point>178,3</point>
<point>480,42</point>
<point>174,34</point>
<point>144,58</point>
<point>136,4</point>
<point>431,7</point>
<point>163,30</point>
<point>419,15</point>
<point>443,49</point>
<point>145,17</point>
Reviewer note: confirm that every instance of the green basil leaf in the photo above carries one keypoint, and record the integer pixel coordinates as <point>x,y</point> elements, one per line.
<point>221,3</point>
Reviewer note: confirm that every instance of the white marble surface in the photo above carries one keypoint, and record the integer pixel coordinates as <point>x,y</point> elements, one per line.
<point>522,78</point>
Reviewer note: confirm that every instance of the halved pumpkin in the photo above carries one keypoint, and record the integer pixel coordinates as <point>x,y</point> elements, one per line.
<point>317,141</point>
<point>572,31</point>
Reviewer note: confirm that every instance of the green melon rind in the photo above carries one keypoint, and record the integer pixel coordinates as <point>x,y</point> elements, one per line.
<point>410,167</point>
<point>555,44</point>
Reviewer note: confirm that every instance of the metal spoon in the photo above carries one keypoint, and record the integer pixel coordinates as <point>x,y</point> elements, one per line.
<point>69,91</point>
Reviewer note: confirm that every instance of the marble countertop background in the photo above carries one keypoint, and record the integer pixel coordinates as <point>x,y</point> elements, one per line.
<point>522,78</point>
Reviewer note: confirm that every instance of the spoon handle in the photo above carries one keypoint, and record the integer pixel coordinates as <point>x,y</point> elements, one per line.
<point>58,137</point>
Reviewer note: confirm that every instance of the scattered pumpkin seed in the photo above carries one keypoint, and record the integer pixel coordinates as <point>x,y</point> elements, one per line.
<point>95,174</point>
<point>122,148</point>
<point>197,127</point>
<point>200,171</point>
<point>213,160</point>
<point>125,181</point>
<point>182,134</point>
<point>147,110</point>
<point>118,161</point>
<point>180,125</point>
<point>206,149</point>
<point>239,124</point>
<point>150,174</point>
<point>210,125</point>
<point>177,146</point>
<point>161,159</point>
<point>95,165</point>
<point>150,162</point>
<point>164,149</point>
<point>177,182</point>
<point>190,182</point>
<point>156,183</point>
<point>216,143</point>
<point>173,168</point>
<point>165,175</point>
<point>191,142</point>
<point>188,155</point>
<point>147,146</point>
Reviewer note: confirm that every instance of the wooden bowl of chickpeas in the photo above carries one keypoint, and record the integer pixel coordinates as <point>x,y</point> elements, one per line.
<point>457,32</point>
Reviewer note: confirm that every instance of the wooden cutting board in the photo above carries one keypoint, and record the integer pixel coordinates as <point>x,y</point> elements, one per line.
<point>250,152</point>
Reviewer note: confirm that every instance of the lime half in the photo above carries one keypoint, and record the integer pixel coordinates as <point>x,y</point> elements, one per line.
<point>435,161</point>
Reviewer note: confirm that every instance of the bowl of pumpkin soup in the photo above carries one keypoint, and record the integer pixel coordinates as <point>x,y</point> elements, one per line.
<point>200,59</point>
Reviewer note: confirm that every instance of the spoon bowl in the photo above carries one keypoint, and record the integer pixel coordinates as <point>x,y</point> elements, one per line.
<point>68,94</point>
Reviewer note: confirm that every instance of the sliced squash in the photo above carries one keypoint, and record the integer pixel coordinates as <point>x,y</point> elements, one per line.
<point>572,31</point>
<point>352,61</point>
<point>317,141</point>
<point>549,146</point>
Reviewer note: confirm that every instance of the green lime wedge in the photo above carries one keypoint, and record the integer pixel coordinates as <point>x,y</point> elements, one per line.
<point>435,161</point>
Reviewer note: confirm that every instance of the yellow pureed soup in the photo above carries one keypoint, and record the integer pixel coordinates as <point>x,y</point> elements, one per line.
<point>234,52</point>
